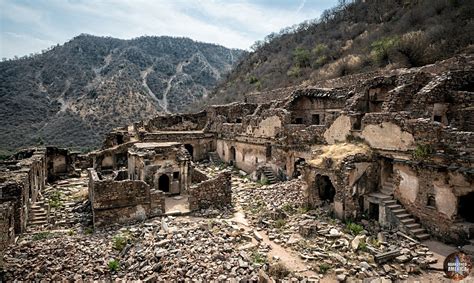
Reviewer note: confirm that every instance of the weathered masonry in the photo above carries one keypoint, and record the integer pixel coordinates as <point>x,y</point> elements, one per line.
<point>397,147</point>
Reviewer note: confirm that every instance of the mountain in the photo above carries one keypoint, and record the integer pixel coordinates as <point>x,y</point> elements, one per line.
<point>72,94</point>
<point>354,37</point>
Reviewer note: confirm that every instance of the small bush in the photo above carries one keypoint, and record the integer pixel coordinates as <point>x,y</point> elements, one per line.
<point>294,71</point>
<point>422,151</point>
<point>302,57</point>
<point>278,271</point>
<point>114,265</point>
<point>383,48</point>
<point>362,246</point>
<point>288,208</point>
<point>324,268</point>
<point>120,241</point>
<point>279,223</point>
<point>71,232</point>
<point>259,258</point>
<point>55,200</point>
<point>354,228</point>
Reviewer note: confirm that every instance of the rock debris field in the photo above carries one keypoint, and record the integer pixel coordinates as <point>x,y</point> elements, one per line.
<point>268,234</point>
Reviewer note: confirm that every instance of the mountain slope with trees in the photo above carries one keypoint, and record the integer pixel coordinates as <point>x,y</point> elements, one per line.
<point>70,95</point>
<point>353,37</point>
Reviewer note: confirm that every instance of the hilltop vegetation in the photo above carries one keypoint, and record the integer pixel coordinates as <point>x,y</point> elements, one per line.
<point>353,37</point>
<point>70,95</point>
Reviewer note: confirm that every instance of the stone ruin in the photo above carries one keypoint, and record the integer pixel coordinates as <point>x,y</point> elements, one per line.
<point>396,148</point>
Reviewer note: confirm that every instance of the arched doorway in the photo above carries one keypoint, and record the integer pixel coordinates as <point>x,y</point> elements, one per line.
<point>325,188</point>
<point>190,150</point>
<point>232,154</point>
<point>164,183</point>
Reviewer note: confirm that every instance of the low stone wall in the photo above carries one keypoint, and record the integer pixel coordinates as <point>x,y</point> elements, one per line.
<point>215,192</point>
<point>124,201</point>
<point>198,176</point>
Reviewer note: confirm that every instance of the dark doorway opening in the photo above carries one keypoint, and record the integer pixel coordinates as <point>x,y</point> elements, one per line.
<point>190,150</point>
<point>232,153</point>
<point>316,119</point>
<point>325,188</point>
<point>119,139</point>
<point>466,207</point>
<point>437,118</point>
<point>373,211</point>
<point>298,167</point>
<point>164,183</point>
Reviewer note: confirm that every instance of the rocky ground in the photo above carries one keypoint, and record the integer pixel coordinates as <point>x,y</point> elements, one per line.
<point>267,233</point>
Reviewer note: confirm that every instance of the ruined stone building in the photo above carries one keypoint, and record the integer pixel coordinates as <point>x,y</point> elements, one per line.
<point>22,179</point>
<point>396,148</point>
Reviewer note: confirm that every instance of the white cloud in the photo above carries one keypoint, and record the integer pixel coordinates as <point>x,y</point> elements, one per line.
<point>235,24</point>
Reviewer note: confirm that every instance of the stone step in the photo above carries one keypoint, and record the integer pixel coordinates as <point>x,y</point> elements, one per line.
<point>37,222</point>
<point>423,237</point>
<point>407,221</point>
<point>37,214</point>
<point>413,226</point>
<point>388,188</point>
<point>394,206</point>
<point>403,215</point>
<point>387,193</point>
<point>418,231</point>
<point>400,210</point>
<point>390,202</point>
<point>38,218</point>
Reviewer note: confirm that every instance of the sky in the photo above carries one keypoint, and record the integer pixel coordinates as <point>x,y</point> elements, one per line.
<point>29,26</point>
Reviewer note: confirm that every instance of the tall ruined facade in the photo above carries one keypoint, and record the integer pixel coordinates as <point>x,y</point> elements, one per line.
<point>396,148</point>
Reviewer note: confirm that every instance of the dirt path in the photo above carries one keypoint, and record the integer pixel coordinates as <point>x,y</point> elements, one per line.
<point>288,257</point>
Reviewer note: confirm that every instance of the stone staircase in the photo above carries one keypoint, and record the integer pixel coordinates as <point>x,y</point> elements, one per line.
<point>272,179</point>
<point>385,196</point>
<point>388,187</point>
<point>214,157</point>
<point>37,215</point>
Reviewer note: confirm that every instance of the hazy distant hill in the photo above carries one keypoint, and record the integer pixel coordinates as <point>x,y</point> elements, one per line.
<point>354,37</point>
<point>72,94</point>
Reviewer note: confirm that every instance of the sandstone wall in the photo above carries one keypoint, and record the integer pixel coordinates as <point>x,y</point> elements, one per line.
<point>417,183</point>
<point>216,192</point>
<point>125,201</point>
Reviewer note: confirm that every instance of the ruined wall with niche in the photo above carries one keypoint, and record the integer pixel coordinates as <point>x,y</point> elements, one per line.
<point>245,156</point>
<point>164,166</point>
<point>338,130</point>
<point>119,202</point>
<point>60,163</point>
<point>432,195</point>
<point>216,192</point>
<point>267,123</point>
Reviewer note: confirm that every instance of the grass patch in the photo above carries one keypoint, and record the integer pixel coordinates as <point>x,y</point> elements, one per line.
<point>257,206</point>
<point>422,151</point>
<point>42,236</point>
<point>89,231</point>
<point>278,270</point>
<point>324,268</point>
<point>263,181</point>
<point>71,232</point>
<point>354,228</point>
<point>288,208</point>
<point>114,265</point>
<point>258,258</point>
<point>279,223</point>
<point>119,241</point>
<point>55,200</point>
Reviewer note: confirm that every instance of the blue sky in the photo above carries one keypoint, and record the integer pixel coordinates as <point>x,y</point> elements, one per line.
<point>28,26</point>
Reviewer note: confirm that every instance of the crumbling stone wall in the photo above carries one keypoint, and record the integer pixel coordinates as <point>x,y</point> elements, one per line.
<point>7,226</point>
<point>417,183</point>
<point>177,122</point>
<point>118,202</point>
<point>60,163</point>
<point>198,176</point>
<point>216,192</point>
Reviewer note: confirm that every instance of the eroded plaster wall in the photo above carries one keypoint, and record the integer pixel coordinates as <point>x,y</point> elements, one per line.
<point>338,130</point>
<point>388,136</point>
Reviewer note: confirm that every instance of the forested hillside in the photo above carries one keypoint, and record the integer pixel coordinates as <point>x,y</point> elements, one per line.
<point>353,37</point>
<point>72,94</point>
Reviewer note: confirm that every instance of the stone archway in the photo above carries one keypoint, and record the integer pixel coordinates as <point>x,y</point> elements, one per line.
<point>465,205</point>
<point>164,183</point>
